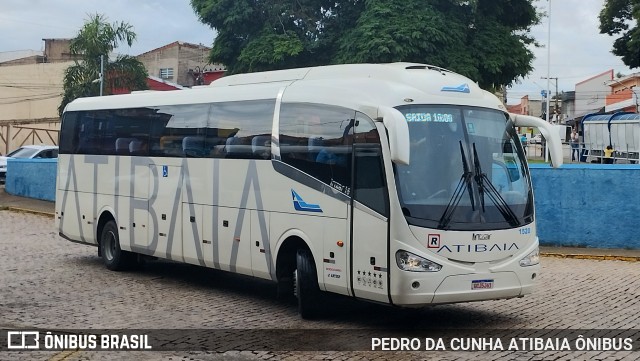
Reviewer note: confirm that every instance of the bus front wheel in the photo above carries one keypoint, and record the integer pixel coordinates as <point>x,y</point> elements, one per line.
<point>307,289</point>
<point>114,258</point>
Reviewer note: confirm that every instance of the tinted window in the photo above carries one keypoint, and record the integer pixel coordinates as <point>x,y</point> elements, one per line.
<point>218,130</point>
<point>242,128</point>
<point>179,130</point>
<point>69,133</point>
<point>318,140</point>
<point>108,132</point>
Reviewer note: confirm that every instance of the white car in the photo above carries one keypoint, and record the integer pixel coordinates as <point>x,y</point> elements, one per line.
<point>27,151</point>
<point>536,139</point>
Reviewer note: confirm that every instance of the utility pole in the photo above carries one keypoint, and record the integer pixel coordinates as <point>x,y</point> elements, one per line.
<point>101,73</point>
<point>556,106</point>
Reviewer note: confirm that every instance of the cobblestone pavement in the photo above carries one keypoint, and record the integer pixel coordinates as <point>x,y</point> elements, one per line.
<point>49,283</point>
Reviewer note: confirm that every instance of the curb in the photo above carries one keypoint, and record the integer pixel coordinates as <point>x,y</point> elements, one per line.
<point>593,257</point>
<point>31,211</point>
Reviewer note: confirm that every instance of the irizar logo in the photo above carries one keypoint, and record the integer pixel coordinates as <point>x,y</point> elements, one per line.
<point>481,236</point>
<point>462,88</point>
<point>300,205</point>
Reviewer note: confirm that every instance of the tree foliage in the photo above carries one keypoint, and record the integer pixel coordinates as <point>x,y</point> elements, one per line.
<point>622,17</point>
<point>96,38</point>
<point>486,40</point>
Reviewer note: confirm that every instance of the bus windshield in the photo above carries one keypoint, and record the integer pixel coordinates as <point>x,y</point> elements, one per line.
<point>467,171</point>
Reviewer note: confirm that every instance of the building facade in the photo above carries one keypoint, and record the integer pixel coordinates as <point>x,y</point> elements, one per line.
<point>30,94</point>
<point>590,94</point>
<point>55,51</point>
<point>182,63</point>
<point>624,94</point>
<point>527,106</point>
<point>568,108</point>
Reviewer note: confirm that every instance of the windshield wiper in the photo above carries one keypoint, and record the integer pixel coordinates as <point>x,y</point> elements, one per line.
<point>465,181</point>
<point>485,184</point>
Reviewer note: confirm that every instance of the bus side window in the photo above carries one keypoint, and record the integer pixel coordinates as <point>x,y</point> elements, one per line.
<point>70,133</point>
<point>122,146</point>
<point>139,147</point>
<point>316,139</point>
<point>170,146</point>
<point>194,147</point>
<point>261,146</point>
<point>232,127</point>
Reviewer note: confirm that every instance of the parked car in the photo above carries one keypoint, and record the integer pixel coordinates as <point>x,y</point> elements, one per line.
<point>536,139</point>
<point>27,151</point>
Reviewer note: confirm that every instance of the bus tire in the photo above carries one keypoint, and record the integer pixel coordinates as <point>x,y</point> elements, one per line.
<point>307,289</point>
<point>285,290</point>
<point>114,258</point>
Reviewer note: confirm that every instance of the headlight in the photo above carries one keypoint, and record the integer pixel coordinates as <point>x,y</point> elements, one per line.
<point>531,259</point>
<point>410,262</point>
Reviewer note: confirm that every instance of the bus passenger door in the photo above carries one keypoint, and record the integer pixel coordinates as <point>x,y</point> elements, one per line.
<point>165,212</point>
<point>369,216</point>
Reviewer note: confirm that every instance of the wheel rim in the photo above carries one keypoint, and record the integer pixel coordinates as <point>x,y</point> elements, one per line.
<point>110,246</point>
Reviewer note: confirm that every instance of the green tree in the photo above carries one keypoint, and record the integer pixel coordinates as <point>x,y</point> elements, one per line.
<point>622,17</point>
<point>98,38</point>
<point>485,40</point>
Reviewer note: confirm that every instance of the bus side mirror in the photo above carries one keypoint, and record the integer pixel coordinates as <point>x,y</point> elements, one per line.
<point>398,131</point>
<point>552,137</point>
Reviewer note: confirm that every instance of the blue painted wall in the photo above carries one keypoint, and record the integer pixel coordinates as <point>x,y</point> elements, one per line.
<point>589,205</point>
<point>33,178</point>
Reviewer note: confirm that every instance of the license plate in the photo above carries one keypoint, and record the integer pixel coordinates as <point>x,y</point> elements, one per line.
<point>481,284</point>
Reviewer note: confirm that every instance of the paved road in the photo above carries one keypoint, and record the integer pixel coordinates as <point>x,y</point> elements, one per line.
<point>47,282</point>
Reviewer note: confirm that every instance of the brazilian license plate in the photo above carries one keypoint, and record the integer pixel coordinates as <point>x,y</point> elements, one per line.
<point>481,284</point>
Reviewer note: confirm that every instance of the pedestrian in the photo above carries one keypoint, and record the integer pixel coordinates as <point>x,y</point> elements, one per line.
<point>608,155</point>
<point>575,143</point>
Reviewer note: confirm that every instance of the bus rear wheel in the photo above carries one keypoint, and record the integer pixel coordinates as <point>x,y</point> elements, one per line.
<point>113,256</point>
<point>306,285</point>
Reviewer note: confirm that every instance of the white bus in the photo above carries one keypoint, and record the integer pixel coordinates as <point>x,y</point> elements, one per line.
<point>403,184</point>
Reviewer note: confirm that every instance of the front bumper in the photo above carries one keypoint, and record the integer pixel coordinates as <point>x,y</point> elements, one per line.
<point>459,288</point>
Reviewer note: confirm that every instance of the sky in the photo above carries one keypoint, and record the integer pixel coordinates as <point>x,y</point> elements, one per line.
<point>24,23</point>
<point>578,50</point>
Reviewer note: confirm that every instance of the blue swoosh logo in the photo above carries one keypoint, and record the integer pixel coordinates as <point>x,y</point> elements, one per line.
<point>462,88</point>
<point>300,205</point>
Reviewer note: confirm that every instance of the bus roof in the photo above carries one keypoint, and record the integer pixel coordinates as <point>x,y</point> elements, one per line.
<point>363,87</point>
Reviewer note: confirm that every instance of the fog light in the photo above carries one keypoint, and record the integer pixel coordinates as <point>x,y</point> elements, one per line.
<point>531,259</point>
